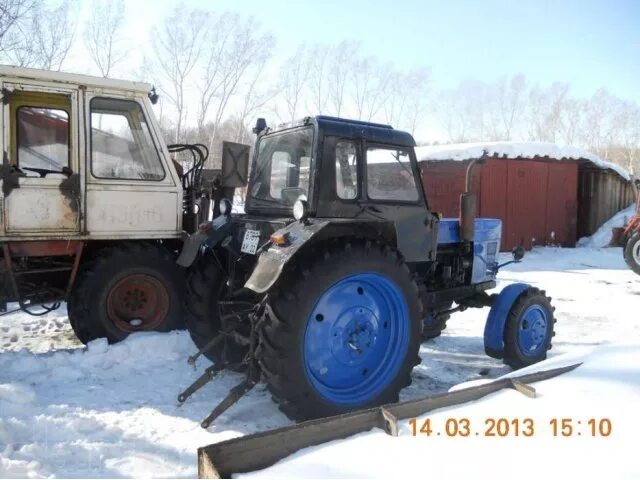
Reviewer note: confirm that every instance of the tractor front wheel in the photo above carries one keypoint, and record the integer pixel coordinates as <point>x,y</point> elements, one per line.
<point>632,252</point>
<point>124,289</point>
<point>529,329</point>
<point>344,332</point>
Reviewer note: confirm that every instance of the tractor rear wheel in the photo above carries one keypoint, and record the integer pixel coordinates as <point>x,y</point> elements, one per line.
<point>206,287</point>
<point>345,331</point>
<point>632,252</point>
<point>127,288</point>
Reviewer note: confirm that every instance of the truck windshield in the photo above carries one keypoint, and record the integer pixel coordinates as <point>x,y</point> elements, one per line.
<point>282,168</point>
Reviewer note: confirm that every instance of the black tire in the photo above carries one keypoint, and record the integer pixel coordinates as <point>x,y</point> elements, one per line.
<point>206,285</point>
<point>293,299</point>
<point>513,355</point>
<point>433,329</point>
<point>632,252</point>
<point>91,305</point>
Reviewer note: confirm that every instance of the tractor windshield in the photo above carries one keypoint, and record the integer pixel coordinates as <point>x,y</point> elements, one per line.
<point>282,168</point>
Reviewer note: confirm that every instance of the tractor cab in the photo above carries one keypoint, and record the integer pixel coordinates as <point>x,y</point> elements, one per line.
<point>347,174</point>
<point>339,167</point>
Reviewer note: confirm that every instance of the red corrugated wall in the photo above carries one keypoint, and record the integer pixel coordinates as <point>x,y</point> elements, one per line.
<point>535,199</point>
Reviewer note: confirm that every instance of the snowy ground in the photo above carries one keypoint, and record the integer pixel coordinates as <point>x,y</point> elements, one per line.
<point>110,411</point>
<point>605,390</point>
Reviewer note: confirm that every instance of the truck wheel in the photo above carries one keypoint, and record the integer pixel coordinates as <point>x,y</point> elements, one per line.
<point>433,326</point>
<point>206,286</point>
<point>528,329</point>
<point>129,288</point>
<point>632,252</point>
<point>345,331</point>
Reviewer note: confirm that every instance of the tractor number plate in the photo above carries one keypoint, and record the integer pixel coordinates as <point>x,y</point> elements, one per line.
<point>250,242</point>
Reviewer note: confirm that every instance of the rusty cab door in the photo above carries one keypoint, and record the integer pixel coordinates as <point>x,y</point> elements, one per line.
<point>40,169</point>
<point>132,190</point>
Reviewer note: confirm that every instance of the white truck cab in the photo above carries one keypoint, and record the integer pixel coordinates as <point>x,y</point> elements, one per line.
<point>92,205</point>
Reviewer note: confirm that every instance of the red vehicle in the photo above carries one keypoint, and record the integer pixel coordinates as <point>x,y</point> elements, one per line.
<point>631,235</point>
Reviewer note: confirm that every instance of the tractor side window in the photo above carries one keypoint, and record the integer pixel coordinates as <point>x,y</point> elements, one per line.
<point>121,143</point>
<point>346,170</point>
<point>389,175</point>
<point>42,138</point>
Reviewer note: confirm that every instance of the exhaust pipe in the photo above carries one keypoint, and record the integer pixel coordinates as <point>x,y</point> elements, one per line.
<point>469,203</point>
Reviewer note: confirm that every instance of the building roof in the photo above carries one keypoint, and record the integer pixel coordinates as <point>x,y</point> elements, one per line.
<point>515,150</point>
<point>72,79</point>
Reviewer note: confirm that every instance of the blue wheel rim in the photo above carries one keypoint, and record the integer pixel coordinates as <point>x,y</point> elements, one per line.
<point>356,338</point>
<point>532,330</point>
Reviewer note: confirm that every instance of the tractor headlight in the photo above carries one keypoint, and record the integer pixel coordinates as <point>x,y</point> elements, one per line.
<point>300,210</point>
<point>225,207</point>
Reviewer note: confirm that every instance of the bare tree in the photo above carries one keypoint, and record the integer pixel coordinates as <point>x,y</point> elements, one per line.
<point>234,46</point>
<point>416,87</point>
<point>318,88</point>
<point>34,34</point>
<point>463,112</point>
<point>597,129</point>
<point>342,60</point>
<point>293,79</point>
<point>546,106</point>
<point>53,30</point>
<point>365,85</point>
<point>13,14</point>
<point>511,102</point>
<point>180,41</point>
<point>571,120</point>
<point>102,34</point>
<point>254,98</point>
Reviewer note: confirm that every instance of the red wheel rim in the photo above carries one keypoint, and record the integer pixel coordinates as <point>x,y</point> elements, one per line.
<point>137,302</point>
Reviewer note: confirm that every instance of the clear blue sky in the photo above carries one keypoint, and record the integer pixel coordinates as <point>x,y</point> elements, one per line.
<point>586,43</point>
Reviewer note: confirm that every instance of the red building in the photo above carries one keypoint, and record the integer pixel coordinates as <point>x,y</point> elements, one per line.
<point>544,194</point>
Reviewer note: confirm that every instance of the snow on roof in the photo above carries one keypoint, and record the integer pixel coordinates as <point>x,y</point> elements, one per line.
<point>467,151</point>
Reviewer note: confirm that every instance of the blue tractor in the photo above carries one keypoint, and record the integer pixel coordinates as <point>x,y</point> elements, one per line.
<point>326,285</point>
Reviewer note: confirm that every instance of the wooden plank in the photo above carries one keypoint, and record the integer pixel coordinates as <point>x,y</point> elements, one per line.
<point>261,450</point>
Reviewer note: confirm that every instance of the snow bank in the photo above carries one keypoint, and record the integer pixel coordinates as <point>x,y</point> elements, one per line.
<point>606,387</point>
<point>602,237</point>
<point>467,151</point>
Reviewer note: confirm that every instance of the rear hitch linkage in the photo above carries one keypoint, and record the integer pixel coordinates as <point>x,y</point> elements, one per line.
<point>253,372</point>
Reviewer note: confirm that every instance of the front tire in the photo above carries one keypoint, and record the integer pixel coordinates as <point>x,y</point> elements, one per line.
<point>346,332</point>
<point>127,288</point>
<point>529,329</point>
<point>632,252</point>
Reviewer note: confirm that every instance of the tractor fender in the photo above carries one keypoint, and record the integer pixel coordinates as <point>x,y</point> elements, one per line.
<point>497,319</point>
<point>272,261</point>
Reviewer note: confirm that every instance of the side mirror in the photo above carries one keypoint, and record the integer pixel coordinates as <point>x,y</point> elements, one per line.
<point>518,253</point>
<point>153,96</point>
<point>235,164</point>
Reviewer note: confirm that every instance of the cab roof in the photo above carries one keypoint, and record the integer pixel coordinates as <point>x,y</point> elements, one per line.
<point>355,129</point>
<point>9,72</point>
<point>369,131</point>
